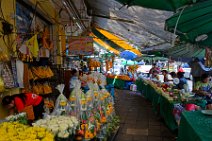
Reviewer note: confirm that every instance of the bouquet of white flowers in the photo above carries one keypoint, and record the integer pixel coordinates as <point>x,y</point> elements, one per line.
<point>21,118</point>
<point>60,126</point>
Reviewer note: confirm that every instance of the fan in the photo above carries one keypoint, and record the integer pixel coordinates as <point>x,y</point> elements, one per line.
<point>176,81</point>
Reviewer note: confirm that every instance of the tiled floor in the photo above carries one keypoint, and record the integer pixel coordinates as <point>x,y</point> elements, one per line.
<point>138,121</point>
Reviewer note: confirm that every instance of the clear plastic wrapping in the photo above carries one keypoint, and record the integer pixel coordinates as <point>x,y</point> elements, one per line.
<point>62,105</point>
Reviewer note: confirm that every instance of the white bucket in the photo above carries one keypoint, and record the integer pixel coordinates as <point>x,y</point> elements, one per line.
<point>133,87</point>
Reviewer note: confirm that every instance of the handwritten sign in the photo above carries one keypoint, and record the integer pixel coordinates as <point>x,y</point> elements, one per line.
<point>81,46</point>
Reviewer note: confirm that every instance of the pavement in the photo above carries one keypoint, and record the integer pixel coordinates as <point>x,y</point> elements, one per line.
<point>138,121</point>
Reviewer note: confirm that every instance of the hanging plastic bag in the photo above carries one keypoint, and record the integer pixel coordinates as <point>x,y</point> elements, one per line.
<point>62,106</point>
<point>90,99</point>
<point>74,99</point>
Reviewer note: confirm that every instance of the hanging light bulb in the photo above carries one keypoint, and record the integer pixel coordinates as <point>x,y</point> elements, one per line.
<point>201,37</point>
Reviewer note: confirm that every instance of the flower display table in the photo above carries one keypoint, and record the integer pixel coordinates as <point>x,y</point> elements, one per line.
<point>161,104</point>
<point>195,126</point>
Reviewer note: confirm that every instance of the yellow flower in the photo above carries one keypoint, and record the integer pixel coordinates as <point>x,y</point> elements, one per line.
<point>18,132</point>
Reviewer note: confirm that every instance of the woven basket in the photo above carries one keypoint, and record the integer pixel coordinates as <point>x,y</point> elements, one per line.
<point>29,112</point>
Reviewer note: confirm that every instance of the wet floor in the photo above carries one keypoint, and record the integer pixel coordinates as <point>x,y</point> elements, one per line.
<point>138,121</point>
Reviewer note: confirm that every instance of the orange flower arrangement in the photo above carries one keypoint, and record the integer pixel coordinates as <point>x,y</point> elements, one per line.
<point>89,135</point>
<point>84,126</point>
<point>103,119</point>
<point>72,99</point>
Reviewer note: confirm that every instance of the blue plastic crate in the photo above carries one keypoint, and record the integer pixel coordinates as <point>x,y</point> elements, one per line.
<point>127,84</point>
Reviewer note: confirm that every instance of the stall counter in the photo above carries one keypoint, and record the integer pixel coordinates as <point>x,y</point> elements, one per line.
<point>195,126</point>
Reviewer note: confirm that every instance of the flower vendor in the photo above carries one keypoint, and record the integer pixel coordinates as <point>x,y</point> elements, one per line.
<point>23,100</point>
<point>204,88</point>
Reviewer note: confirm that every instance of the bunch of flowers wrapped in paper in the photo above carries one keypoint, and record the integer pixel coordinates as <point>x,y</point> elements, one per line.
<point>15,131</point>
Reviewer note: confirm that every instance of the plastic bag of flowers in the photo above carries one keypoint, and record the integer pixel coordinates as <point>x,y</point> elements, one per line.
<point>62,106</point>
<point>90,99</point>
<point>102,80</point>
<point>75,100</point>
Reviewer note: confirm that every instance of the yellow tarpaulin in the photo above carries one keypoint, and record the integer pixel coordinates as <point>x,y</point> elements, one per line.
<point>120,42</point>
<point>103,44</point>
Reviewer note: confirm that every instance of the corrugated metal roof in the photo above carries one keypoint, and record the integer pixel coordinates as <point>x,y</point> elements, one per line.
<point>139,26</point>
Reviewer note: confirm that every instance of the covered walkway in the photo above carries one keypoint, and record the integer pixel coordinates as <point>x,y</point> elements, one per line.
<point>138,121</point>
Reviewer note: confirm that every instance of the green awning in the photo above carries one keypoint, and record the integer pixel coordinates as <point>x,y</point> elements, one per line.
<point>151,58</point>
<point>194,22</point>
<point>169,5</point>
<point>186,51</point>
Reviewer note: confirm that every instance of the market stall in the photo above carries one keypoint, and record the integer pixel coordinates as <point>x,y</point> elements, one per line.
<point>168,102</point>
<point>83,116</point>
<point>195,126</point>
<point>161,103</point>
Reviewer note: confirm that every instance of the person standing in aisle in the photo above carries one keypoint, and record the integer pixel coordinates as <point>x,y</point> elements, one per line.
<point>155,76</point>
<point>167,76</point>
<point>180,69</point>
<point>154,68</point>
<point>182,80</point>
<point>73,80</point>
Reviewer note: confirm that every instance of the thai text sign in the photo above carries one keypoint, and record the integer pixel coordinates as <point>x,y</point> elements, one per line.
<point>81,46</point>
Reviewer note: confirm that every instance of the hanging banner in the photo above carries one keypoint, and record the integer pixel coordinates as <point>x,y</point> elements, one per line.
<point>81,46</point>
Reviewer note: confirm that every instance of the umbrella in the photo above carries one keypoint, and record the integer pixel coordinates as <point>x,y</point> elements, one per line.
<point>194,23</point>
<point>128,55</point>
<point>169,5</point>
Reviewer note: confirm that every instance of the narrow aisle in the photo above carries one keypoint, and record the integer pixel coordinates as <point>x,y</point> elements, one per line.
<point>138,121</point>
